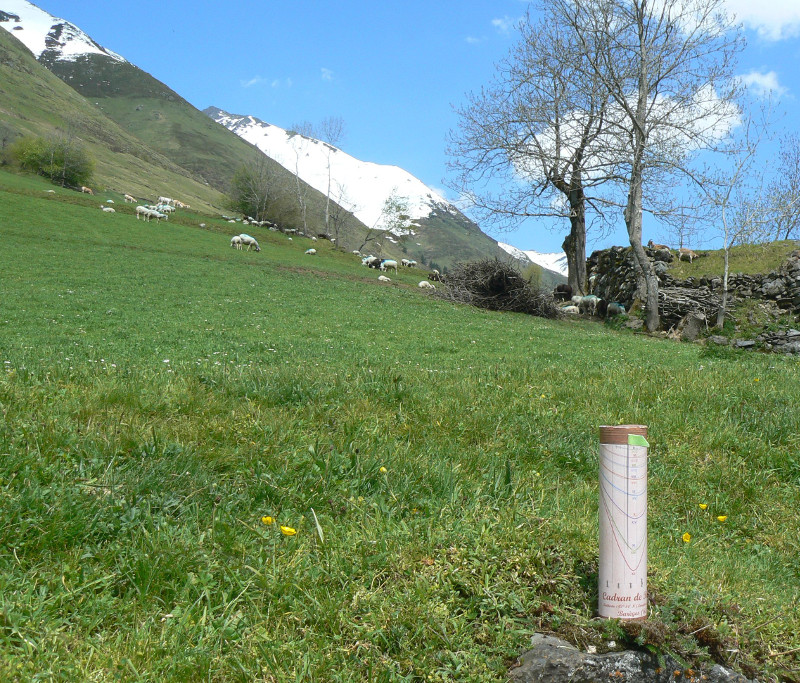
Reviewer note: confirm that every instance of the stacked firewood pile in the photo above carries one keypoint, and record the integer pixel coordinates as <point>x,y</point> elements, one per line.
<point>674,303</point>
<point>497,286</point>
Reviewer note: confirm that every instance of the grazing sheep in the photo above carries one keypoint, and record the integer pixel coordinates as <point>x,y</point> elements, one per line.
<point>685,254</point>
<point>86,190</point>
<point>249,241</point>
<point>129,198</point>
<point>356,252</point>
<point>412,263</point>
<point>404,262</point>
<point>588,304</point>
<point>311,251</point>
<point>657,247</point>
<point>562,292</point>
<point>383,278</point>
<point>371,262</point>
<point>602,308</point>
<point>149,213</point>
<point>165,200</point>
<point>615,309</point>
<point>435,276</point>
<point>107,209</point>
<point>424,284</point>
<point>236,242</point>
<point>389,263</point>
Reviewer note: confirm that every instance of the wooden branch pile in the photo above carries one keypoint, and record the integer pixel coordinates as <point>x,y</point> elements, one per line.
<point>674,303</point>
<point>497,286</point>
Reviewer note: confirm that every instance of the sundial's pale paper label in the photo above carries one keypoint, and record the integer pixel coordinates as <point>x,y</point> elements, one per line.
<point>622,581</point>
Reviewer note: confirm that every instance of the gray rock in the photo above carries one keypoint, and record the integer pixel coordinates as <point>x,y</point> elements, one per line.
<point>719,340</point>
<point>774,288</point>
<point>744,344</point>
<point>552,660</point>
<point>693,325</point>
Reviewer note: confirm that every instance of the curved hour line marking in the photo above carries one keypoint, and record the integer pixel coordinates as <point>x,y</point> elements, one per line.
<point>614,531</point>
<point>624,512</point>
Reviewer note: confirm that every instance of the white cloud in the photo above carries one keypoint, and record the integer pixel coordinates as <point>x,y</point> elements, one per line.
<point>772,19</point>
<point>327,74</point>
<point>763,84</point>
<point>256,80</point>
<point>472,40</point>
<point>506,24</point>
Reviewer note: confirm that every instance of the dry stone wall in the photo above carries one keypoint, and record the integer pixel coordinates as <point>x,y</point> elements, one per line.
<point>612,277</point>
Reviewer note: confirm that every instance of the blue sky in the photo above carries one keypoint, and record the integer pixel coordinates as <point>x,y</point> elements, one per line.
<point>391,70</point>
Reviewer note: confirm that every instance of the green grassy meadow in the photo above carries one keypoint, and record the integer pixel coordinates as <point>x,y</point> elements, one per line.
<point>169,403</point>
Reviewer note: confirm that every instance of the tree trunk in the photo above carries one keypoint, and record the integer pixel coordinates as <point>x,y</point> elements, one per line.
<point>721,312</point>
<point>574,247</point>
<point>633,221</point>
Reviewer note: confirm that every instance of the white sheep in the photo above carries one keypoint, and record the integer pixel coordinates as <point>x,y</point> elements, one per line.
<point>236,242</point>
<point>249,241</point>
<point>107,209</point>
<point>389,263</point>
<point>424,284</point>
<point>129,198</point>
<point>383,278</point>
<point>311,251</point>
<point>588,304</point>
<point>572,308</point>
<point>166,200</point>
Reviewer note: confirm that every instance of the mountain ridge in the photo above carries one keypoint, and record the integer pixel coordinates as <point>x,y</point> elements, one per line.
<point>437,234</point>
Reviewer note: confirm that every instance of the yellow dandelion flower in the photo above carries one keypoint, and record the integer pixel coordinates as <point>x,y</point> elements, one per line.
<point>382,470</point>
<point>288,531</point>
<point>267,520</point>
<point>722,518</point>
<point>703,506</point>
<point>687,537</point>
<point>756,379</point>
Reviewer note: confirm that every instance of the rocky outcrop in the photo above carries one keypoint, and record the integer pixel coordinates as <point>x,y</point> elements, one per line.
<point>552,660</point>
<point>612,277</point>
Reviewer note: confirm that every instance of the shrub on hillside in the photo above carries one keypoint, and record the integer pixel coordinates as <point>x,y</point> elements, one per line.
<point>59,158</point>
<point>497,286</point>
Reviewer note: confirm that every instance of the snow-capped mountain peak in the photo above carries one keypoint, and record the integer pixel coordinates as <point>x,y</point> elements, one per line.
<point>360,186</point>
<point>44,34</point>
<point>556,261</point>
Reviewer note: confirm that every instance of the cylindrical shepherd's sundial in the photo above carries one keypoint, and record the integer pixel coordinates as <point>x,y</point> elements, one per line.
<point>622,580</point>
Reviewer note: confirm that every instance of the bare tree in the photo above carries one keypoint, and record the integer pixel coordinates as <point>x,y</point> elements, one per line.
<point>738,205</point>
<point>393,218</point>
<point>668,65</point>
<point>331,132</point>
<point>785,188</point>
<point>304,130</point>
<point>530,145</point>
<point>337,214</point>
<point>256,189</point>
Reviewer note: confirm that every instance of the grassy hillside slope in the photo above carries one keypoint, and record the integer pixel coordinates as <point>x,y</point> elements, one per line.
<point>167,404</point>
<point>35,102</point>
<point>166,122</point>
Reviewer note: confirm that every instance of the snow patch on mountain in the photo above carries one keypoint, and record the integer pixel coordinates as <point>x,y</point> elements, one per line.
<point>556,262</point>
<point>361,187</point>
<point>40,32</point>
